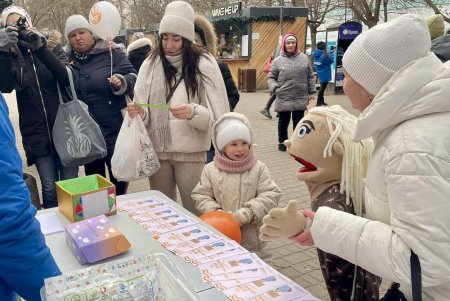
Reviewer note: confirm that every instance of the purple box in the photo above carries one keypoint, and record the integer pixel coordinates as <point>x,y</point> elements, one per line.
<point>94,239</point>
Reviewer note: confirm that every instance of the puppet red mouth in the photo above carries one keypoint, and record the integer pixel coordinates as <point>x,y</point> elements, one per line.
<point>307,167</point>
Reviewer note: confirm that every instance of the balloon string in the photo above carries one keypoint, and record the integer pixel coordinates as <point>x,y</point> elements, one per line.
<point>110,54</point>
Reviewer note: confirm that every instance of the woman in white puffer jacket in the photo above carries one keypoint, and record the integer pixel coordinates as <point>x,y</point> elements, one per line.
<point>403,92</point>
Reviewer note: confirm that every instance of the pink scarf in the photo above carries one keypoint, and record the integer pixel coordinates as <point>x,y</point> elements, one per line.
<point>227,165</point>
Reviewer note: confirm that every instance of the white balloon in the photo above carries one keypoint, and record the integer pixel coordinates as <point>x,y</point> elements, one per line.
<point>105,20</point>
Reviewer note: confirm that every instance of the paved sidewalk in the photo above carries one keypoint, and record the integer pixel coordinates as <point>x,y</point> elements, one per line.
<point>298,263</point>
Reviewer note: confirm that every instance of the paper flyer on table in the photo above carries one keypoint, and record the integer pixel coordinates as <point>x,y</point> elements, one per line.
<point>238,275</point>
<point>208,250</point>
<point>286,292</point>
<point>232,252</point>
<point>198,242</point>
<point>173,224</point>
<point>225,284</point>
<point>180,235</point>
<point>137,203</point>
<point>256,287</point>
<point>50,223</point>
<point>151,215</point>
<point>232,264</point>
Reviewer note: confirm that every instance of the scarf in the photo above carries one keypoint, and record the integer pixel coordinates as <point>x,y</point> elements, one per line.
<point>227,165</point>
<point>150,88</point>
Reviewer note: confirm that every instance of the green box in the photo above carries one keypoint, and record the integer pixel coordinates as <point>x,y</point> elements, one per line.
<point>86,197</point>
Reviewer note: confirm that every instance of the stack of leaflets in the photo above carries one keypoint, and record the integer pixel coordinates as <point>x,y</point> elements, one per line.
<point>232,269</point>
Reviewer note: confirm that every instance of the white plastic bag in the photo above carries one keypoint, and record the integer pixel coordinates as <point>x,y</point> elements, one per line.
<point>134,156</point>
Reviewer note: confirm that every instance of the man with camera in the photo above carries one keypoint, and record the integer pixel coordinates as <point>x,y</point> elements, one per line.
<point>322,62</point>
<point>32,63</point>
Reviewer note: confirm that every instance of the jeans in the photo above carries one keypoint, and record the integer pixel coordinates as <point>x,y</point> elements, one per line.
<point>283,123</point>
<point>98,167</point>
<point>51,170</point>
<point>320,99</point>
<point>210,154</point>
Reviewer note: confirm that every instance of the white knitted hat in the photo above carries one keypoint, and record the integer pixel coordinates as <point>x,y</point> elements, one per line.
<point>178,19</point>
<point>377,54</point>
<point>75,22</point>
<point>14,9</point>
<point>232,129</point>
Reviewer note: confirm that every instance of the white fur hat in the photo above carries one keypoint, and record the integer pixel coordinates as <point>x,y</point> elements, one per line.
<point>377,54</point>
<point>178,19</point>
<point>75,22</point>
<point>230,129</point>
<point>14,9</point>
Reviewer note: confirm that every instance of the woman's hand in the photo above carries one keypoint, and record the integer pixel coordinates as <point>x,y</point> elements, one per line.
<point>134,110</point>
<point>305,238</point>
<point>115,82</point>
<point>182,111</point>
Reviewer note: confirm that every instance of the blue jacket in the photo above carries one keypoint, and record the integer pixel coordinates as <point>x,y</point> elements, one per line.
<point>323,65</point>
<point>23,251</point>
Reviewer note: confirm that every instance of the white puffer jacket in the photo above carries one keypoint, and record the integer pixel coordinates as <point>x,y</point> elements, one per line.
<point>407,187</point>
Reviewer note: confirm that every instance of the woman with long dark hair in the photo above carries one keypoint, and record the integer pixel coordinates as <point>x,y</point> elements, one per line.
<point>187,80</point>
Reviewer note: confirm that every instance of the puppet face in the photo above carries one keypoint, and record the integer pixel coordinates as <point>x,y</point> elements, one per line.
<point>307,146</point>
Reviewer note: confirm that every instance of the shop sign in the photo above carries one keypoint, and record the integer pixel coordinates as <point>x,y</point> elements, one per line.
<point>227,10</point>
<point>349,31</point>
<point>255,36</point>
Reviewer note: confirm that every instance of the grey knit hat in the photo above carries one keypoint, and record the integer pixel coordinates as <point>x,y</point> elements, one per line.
<point>178,19</point>
<point>75,22</point>
<point>377,54</point>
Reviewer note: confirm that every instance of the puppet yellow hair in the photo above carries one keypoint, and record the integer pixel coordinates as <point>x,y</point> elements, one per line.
<point>355,156</point>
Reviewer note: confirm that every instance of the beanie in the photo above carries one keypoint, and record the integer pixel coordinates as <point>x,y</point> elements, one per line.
<point>178,19</point>
<point>321,45</point>
<point>231,129</point>
<point>13,9</point>
<point>75,22</point>
<point>378,53</point>
<point>436,26</point>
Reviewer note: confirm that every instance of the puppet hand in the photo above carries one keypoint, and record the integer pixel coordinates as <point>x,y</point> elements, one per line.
<point>305,238</point>
<point>282,222</point>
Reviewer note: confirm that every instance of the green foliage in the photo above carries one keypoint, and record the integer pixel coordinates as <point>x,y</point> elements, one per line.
<point>243,19</point>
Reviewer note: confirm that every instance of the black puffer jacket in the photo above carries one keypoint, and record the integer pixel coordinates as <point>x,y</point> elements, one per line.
<point>37,98</point>
<point>441,47</point>
<point>232,91</point>
<point>92,86</point>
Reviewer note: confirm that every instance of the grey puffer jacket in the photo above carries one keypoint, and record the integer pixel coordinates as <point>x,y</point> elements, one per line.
<point>291,78</point>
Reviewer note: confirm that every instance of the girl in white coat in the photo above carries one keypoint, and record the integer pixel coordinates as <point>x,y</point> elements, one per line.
<point>236,181</point>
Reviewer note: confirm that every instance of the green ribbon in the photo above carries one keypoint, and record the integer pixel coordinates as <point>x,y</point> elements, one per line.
<point>152,106</point>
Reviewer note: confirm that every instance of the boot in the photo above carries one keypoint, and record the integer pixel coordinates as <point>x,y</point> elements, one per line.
<point>282,147</point>
<point>266,113</point>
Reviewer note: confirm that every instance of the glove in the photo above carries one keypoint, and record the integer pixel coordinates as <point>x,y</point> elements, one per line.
<point>282,223</point>
<point>37,42</point>
<point>243,216</point>
<point>8,38</point>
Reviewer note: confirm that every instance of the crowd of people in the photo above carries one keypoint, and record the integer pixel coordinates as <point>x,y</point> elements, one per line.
<point>405,201</point>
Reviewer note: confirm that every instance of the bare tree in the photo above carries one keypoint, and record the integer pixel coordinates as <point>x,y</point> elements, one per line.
<point>434,6</point>
<point>366,11</point>
<point>317,11</point>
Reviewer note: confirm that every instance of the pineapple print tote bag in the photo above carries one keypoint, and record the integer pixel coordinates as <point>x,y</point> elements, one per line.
<point>77,137</point>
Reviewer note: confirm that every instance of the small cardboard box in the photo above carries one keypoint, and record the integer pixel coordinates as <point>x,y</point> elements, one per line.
<point>86,197</point>
<point>95,239</point>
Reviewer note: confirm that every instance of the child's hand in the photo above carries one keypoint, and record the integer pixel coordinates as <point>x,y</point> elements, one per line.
<point>283,222</point>
<point>243,216</point>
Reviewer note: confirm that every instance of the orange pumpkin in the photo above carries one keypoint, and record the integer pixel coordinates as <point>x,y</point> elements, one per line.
<point>224,223</point>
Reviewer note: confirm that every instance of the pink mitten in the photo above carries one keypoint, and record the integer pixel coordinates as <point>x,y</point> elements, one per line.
<point>282,222</point>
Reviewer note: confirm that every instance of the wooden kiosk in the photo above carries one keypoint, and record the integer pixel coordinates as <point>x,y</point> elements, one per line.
<point>248,36</point>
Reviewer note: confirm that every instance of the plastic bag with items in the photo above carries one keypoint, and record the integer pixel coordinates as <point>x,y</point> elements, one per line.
<point>134,156</point>
<point>144,278</point>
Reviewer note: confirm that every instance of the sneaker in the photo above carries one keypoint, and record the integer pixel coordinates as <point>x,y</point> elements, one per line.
<point>266,113</point>
<point>282,147</point>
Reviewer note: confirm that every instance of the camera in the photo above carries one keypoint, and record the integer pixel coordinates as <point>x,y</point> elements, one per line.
<point>25,34</point>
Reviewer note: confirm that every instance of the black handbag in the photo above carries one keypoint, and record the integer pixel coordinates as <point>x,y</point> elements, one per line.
<point>394,293</point>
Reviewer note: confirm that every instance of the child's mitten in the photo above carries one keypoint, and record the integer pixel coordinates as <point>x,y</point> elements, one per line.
<point>243,216</point>
<point>282,222</point>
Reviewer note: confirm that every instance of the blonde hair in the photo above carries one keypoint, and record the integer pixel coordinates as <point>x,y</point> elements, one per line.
<point>342,126</point>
